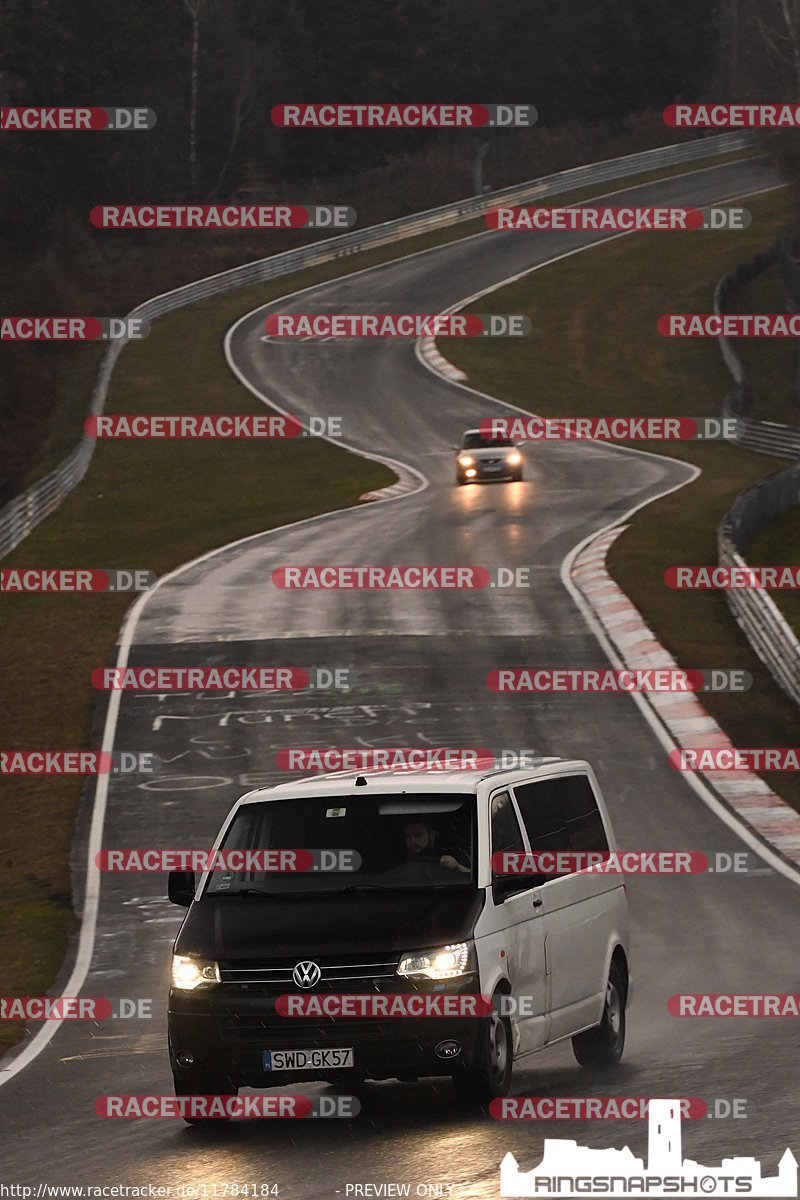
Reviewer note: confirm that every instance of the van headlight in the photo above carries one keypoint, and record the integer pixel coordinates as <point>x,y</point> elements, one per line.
<point>190,973</point>
<point>447,963</point>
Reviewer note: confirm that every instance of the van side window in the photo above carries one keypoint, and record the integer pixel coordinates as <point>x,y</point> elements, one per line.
<point>581,815</point>
<point>506,833</point>
<point>541,812</point>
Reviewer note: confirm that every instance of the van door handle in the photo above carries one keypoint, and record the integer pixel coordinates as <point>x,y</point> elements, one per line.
<point>537,901</point>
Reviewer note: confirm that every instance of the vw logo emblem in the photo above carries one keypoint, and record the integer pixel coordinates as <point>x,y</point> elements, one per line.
<point>306,974</point>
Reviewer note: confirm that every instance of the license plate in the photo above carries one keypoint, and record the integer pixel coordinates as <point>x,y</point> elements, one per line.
<point>493,467</point>
<point>308,1060</point>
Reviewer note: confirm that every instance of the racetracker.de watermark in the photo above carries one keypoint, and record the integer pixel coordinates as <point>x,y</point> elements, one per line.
<point>730,325</point>
<point>77,762</point>
<point>395,325</point>
<point>403,116</point>
<point>260,1106</point>
<point>728,758</point>
<point>588,1108</point>
<point>732,116</point>
<point>223,860</point>
<point>612,679</point>
<point>387,758</point>
<point>785,577</point>
<point>193,679</point>
<point>72,329</point>
<point>210,425</point>
<point>222,216</point>
<point>75,120</point>
<point>75,579</point>
<point>733,1004</point>
<point>328,577</point>
<point>609,219</point>
<point>74,1008</point>
<point>615,429</point>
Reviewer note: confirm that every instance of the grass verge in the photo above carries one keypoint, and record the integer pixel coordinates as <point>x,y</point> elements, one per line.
<point>148,504</point>
<point>594,350</point>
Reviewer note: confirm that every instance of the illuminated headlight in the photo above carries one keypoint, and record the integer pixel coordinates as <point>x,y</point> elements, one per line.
<point>447,963</point>
<point>515,458</point>
<point>191,973</point>
<point>465,460</point>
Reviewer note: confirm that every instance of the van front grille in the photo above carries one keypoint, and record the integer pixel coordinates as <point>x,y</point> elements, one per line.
<point>275,975</point>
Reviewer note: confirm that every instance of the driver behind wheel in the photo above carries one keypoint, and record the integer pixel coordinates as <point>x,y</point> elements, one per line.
<point>421,846</point>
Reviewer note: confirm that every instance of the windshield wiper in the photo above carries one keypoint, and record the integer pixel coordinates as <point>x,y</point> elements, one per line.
<point>248,891</point>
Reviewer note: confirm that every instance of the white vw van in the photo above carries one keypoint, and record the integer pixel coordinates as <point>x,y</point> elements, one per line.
<point>422,915</point>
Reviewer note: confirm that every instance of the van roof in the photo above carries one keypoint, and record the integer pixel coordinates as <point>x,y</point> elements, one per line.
<point>337,783</point>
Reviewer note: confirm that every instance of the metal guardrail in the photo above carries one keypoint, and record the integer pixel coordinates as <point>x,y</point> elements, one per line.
<point>756,613</point>
<point>765,437</point>
<point>22,515</point>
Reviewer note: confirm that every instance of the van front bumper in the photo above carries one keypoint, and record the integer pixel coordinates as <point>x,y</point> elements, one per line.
<point>223,1037</point>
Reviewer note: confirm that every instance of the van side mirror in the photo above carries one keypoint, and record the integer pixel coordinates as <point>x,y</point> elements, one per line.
<point>181,887</point>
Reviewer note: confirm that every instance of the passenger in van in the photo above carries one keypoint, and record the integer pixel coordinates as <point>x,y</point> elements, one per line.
<point>421,838</point>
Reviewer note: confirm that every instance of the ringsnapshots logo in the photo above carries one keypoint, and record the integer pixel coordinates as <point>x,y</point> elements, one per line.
<point>567,1169</point>
<point>404,116</point>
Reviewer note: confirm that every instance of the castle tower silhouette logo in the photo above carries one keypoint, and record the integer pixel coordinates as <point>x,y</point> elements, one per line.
<point>568,1169</point>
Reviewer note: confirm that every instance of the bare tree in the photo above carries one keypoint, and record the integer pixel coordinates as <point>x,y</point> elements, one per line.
<point>194,9</point>
<point>780,33</point>
<point>247,76</point>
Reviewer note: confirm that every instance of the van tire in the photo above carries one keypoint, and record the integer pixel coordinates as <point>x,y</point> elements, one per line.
<point>203,1085</point>
<point>490,1077</point>
<point>602,1047</point>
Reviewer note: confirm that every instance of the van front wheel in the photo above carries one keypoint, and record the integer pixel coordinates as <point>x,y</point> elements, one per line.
<point>490,1077</point>
<point>602,1046</point>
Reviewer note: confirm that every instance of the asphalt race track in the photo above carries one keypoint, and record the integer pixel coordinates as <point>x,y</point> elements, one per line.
<point>418,664</point>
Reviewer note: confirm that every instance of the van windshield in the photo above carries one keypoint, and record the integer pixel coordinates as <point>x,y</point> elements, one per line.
<point>476,441</point>
<point>403,841</point>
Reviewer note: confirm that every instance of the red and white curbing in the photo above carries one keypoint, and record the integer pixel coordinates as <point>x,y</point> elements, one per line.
<point>437,362</point>
<point>406,483</point>
<point>687,721</point>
